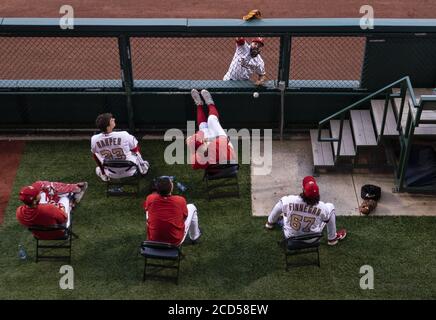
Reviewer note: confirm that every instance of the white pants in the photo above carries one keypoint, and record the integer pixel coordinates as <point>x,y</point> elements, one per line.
<point>191,224</point>
<point>212,128</point>
<point>64,200</point>
<point>331,227</point>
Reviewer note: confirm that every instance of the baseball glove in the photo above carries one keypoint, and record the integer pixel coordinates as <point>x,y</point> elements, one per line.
<point>367,206</point>
<point>253,14</point>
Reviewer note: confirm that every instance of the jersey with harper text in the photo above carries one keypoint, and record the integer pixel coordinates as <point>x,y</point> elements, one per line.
<point>300,218</point>
<point>115,145</point>
<point>243,65</point>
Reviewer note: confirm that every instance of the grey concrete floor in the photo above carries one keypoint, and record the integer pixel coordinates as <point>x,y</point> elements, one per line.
<point>292,161</point>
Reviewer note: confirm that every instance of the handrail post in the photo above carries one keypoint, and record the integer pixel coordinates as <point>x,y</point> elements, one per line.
<point>385,111</point>
<point>341,126</point>
<point>284,59</point>
<point>403,92</point>
<point>127,77</point>
<point>282,87</point>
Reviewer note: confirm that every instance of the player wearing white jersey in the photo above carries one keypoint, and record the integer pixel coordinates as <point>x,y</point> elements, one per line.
<point>246,61</point>
<point>306,214</point>
<point>119,145</point>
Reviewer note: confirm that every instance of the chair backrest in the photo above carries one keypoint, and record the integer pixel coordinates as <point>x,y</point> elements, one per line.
<point>119,163</point>
<point>162,253</point>
<point>307,236</point>
<point>51,232</point>
<point>303,241</point>
<point>222,170</point>
<point>157,245</point>
<point>306,243</point>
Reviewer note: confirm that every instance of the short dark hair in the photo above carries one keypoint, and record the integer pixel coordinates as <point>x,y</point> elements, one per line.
<point>163,186</point>
<point>310,201</point>
<point>103,120</point>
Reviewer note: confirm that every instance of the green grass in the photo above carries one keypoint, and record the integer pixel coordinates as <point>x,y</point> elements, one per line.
<point>237,258</point>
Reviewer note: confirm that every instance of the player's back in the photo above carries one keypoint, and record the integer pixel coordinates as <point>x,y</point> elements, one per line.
<point>301,218</point>
<point>114,145</point>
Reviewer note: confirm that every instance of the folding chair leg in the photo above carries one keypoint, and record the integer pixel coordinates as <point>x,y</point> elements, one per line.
<point>69,258</point>
<point>145,270</point>
<point>286,262</point>
<point>319,263</point>
<point>37,247</point>
<point>178,270</point>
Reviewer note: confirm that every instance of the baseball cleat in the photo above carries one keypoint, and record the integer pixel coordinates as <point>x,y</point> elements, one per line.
<point>78,196</point>
<point>207,97</point>
<point>340,235</point>
<point>269,226</point>
<point>102,176</point>
<point>196,97</point>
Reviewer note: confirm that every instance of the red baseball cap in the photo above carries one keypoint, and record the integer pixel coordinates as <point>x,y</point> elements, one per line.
<point>28,194</point>
<point>258,40</point>
<point>310,188</point>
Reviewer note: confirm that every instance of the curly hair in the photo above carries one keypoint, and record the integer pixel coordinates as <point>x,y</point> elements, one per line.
<point>310,201</point>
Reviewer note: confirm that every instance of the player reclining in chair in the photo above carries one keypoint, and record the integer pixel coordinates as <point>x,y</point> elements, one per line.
<point>47,204</point>
<point>119,145</point>
<point>305,214</point>
<point>210,144</point>
<point>169,218</point>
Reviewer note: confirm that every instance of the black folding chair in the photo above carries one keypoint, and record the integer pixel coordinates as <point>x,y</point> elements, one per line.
<point>303,244</point>
<point>219,178</point>
<point>166,256</point>
<point>47,245</point>
<point>114,187</point>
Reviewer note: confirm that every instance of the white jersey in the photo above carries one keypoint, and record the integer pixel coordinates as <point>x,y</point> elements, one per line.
<point>118,145</point>
<point>114,145</point>
<point>243,65</point>
<point>300,218</point>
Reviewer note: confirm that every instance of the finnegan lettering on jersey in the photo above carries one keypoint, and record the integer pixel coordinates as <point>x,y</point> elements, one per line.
<point>302,207</point>
<point>109,142</point>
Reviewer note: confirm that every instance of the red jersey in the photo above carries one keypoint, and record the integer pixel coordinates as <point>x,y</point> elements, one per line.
<point>166,218</point>
<point>42,215</point>
<point>220,150</point>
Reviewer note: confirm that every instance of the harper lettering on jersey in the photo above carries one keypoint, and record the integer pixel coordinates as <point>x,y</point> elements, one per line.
<point>106,142</point>
<point>302,207</point>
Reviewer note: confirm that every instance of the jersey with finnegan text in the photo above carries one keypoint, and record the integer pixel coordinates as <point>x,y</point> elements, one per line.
<point>243,65</point>
<point>115,145</point>
<point>300,218</point>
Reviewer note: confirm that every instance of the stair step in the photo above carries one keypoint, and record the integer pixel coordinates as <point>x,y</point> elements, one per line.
<point>322,151</point>
<point>424,129</point>
<point>363,129</point>
<point>347,144</point>
<point>377,107</point>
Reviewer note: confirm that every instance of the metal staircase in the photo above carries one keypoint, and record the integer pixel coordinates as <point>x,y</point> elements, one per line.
<point>403,113</point>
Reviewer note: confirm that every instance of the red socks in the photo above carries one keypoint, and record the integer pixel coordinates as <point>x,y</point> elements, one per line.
<point>201,117</point>
<point>213,110</point>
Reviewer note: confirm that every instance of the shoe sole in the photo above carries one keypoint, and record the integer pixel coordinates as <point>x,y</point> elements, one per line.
<point>207,97</point>
<point>337,241</point>
<point>196,96</point>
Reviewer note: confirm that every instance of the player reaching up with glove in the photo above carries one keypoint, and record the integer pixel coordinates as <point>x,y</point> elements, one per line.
<point>118,145</point>
<point>210,144</point>
<point>305,214</point>
<point>246,61</point>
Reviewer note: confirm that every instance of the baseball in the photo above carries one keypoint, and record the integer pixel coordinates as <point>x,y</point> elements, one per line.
<point>256,95</point>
